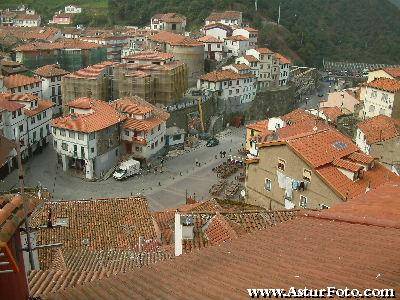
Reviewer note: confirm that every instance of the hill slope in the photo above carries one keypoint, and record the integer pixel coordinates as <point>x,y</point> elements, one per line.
<point>356,30</point>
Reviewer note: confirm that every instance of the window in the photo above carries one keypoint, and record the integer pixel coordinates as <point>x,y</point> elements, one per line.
<point>64,146</point>
<point>307,174</point>
<point>19,112</point>
<point>138,149</point>
<point>53,79</point>
<point>41,132</point>
<point>92,136</point>
<point>53,91</point>
<point>71,134</point>
<point>39,117</point>
<point>81,136</point>
<point>92,150</point>
<point>44,114</point>
<point>62,132</point>
<point>268,184</point>
<point>162,139</point>
<point>21,128</point>
<point>14,114</point>
<point>152,146</point>
<point>55,144</point>
<point>237,91</point>
<point>152,131</point>
<point>33,120</point>
<point>82,151</point>
<point>116,152</point>
<point>371,108</point>
<point>127,132</point>
<point>281,164</point>
<point>303,201</point>
<point>54,131</point>
<point>374,94</point>
<point>159,127</point>
<point>323,206</point>
<point>34,136</point>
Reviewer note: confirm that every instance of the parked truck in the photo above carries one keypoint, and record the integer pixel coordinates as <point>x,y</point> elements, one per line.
<point>126,169</point>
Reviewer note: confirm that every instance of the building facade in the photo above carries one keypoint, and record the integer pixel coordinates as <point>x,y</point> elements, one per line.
<point>171,22</point>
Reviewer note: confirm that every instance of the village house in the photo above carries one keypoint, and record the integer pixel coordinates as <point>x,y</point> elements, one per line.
<point>26,116</point>
<point>143,132</point>
<point>236,45</point>
<point>72,9</point>
<point>265,58</point>
<point>171,22</point>
<point>346,100</point>
<point>382,97</point>
<point>284,69</point>
<point>390,73</point>
<point>87,139</point>
<point>313,170</point>
<point>185,49</point>
<point>26,20</point>
<point>250,61</point>
<point>248,32</point>
<point>227,17</point>
<point>9,67</point>
<point>51,85</point>
<point>217,30</point>
<point>232,88</point>
<point>213,47</point>
<point>22,84</point>
<point>92,82</point>
<point>61,19</point>
<point>380,138</point>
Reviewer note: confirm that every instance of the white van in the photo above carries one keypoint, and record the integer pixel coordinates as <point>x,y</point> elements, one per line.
<point>127,169</point>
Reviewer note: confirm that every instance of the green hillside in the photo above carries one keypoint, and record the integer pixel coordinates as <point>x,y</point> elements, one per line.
<point>396,2</point>
<point>356,30</point>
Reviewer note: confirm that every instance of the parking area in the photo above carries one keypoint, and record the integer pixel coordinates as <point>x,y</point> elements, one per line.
<point>164,190</point>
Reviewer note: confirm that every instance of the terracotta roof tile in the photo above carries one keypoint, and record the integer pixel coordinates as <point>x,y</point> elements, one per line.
<point>42,106</point>
<point>250,58</point>
<point>380,128</point>
<point>237,38</point>
<point>50,71</point>
<point>219,25</point>
<point>241,67</point>
<point>209,39</point>
<point>361,157</point>
<point>250,29</point>
<point>385,84</point>
<point>10,105</point>
<point>394,72</point>
<point>264,51</point>
<point>67,44</point>
<point>149,56</point>
<point>345,164</point>
<point>174,39</point>
<point>230,15</point>
<point>301,128</point>
<point>332,113</point>
<point>170,17</point>
<point>222,75</point>
<point>6,146</point>
<point>298,115</point>
<point>283,59</point>
<point>102,115</point>
<point>17,80</point>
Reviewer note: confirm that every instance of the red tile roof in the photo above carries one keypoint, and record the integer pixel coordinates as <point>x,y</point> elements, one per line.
<point>237,38</point>
<point>28,97</point>
<point>298,115</point>
<point>226,15</point>
<point>67,44</point>
<point>301,128</point>
<point>361,157</point>
<point>218,25</point>
<point>170,18</point>
<point>394,72</point>
<point>241,67</point>
<point>332,113</point>
<point>209,39</point>
<point>50,71</point>
<point>42,106</point>
<point>345,164</point>
<point>346,256</point>
<point>6,146</point>
<point>149,56</point>
<point>260,126</point>
<point>174,39</point>
<point>264,51</point>
<point>17,80</point>
<point>385,84</point>
<point>283,59</point>
<point>222,75</point>
<point>250,58</point>
<point>92,72</point>
<point>102,115</point>
<point>380,128</point>
<point>250,29</point>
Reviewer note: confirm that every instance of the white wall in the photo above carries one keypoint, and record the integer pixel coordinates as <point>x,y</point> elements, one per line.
<point>361,141</point>
<point>378,102</point>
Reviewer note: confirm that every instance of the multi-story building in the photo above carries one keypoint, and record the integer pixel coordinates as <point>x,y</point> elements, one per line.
<point>22,84</point>
<point>172,22</point>
<point>72,9</point>
<point>232,88</point>
<point>28,117</point>
<point>250,33</point>
<point>95,81</point>
<point>313,170</point>
<point>382,97</point>
<point>87,140</point>
<point>380,137</point>
<point>185,49</point>
<point>250,61</point>
<point>227,17</point>
<point>70,54</point>
<point>27,20</point>
<point>284,69</point>
<point>51,85</point>
<point>236,45</point>
<point>144,130</point>
<point>213,47</point>
<point>61,19</point>
<point>265,58</point>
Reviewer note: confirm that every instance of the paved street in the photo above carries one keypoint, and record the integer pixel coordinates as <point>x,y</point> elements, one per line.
<point>43,169</point>
<point>314,99</point>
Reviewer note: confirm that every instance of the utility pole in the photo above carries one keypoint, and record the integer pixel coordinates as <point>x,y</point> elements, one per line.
<point>255,5</point>
<point>24,199</point>
<point>279,14</point>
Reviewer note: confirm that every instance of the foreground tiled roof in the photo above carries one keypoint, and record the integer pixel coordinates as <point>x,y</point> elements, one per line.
<point>301,127</point>
<point>50,71</point>
<point>10,105</point>
<point>101,224</point>
<point>332,113</point>
<point>394,72</point>
<point>385,84</point>
<point>102,115</point>
<point>380,128</point>
<point>91,72</point>
<point>174,39</point>
<point>298,115</point>
<point>345,256</point>
<point>17,80</point>
<point>222,75</point>
<point>42,106</point>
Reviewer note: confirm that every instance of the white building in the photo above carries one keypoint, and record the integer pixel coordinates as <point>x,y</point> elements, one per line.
<point>284,69</point>
<point>265,59</point>
<point>21,84</point>
<point>87,140</point>
<point>144,130</point>
<point>27,20</point>
<point>227,17</point>
<point>232,87</point>
<point>72,9</point>
<point>382,97</point>
<point>250,33</point>
<point>51,85</point>
<point>213,47</point>
<point>172,22</point>
<point>236,45</point>
<point>29,117</point>
<point>251,62</point>
<point>390,73</point>
<point>217,30</point>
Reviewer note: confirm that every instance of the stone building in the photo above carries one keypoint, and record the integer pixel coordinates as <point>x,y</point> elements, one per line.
<point>185,49</point>
<point>171,22</point>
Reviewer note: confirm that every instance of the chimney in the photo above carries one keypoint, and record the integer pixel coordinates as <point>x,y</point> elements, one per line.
<point>184,226</point>
<point>178,235</point>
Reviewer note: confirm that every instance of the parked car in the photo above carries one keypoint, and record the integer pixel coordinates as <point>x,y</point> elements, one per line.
<point>212,142</point>
<point>126,169</point>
